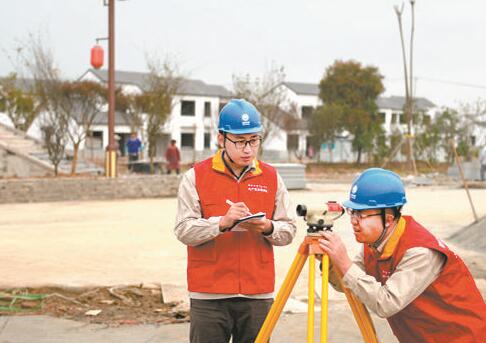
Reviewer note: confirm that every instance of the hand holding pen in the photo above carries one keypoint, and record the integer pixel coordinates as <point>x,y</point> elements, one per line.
<point>235,212</point>
<point>239,210</point>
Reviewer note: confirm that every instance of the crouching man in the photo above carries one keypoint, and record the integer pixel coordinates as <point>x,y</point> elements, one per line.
<point>403,273</point>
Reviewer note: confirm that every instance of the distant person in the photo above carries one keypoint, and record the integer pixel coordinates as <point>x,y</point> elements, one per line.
<point>482,160</point>
<point>173,157</point>
<point>310,152</point>
<point>403,272</point>
<point>134,146</point>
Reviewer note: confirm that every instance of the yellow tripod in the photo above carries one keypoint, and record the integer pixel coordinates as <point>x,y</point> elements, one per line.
<point>310,248</point>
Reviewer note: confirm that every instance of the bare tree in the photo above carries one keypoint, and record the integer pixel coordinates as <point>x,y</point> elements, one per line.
<point>39,63</point>
<point>157,101</point>
<point>268,97</point>
<point>131,108</point>
<point>18,101</point>
<point>80,104</point>
<point>408,108</point>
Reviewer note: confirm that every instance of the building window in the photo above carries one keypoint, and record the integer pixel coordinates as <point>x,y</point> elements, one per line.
<point>94,140</point>
<point>395,118</point>
<point>381,117</point>
<point>426,119</point>
<point>307,112</point>
<point>188,108</point>
<point>292,142</point>
<point>403,119</point>
<point>187,140</point>
<point>207,140</point>
<point>207,109</point>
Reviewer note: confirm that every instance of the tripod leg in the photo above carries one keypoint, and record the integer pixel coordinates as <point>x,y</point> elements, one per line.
<point>324,297</point>
<point>281,299</point>
<point>361,315</point>
<point>311,297</point>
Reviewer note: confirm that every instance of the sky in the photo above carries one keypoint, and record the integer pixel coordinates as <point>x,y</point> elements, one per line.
<point>212,40</point>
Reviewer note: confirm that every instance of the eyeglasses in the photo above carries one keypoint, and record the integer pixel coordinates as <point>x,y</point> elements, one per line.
<point>240,145</point>
<point>359,215</point>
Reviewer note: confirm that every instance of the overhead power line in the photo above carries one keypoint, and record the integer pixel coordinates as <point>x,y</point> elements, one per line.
<point>462,84</point>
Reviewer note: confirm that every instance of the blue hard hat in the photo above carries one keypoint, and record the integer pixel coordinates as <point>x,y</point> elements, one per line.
<point>376,188</point>
<point>239,117</point>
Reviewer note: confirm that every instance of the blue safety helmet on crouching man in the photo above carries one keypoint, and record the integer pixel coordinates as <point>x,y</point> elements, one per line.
<point>377,188</point>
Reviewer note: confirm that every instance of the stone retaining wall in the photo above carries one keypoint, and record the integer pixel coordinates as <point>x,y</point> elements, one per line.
<point>87,188</point>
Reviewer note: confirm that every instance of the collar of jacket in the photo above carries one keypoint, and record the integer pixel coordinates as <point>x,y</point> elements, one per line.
<point>218,164</point>
<point>394,239</point>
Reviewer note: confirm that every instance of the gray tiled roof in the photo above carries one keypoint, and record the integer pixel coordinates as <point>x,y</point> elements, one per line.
<point>188,86</point>
<point>102,119</point>
<point>387,102</point>
<point>397,102</point>
<point>303,88</point>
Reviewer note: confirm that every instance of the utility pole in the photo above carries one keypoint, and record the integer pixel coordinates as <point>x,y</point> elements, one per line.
<point>110,165</point>
<point>408,108</point>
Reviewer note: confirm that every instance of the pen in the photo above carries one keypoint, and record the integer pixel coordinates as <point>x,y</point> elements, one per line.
<point>229,202</point>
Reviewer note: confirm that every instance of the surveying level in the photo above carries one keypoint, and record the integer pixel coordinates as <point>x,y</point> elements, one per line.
<point>317,220</point>
<point>320,219</point>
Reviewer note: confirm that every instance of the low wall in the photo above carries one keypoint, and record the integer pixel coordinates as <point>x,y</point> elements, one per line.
<point>12,165</point>
<point>472,171</point>
<point>88,188</point>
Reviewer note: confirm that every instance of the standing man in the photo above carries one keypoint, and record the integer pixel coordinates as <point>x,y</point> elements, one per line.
<point>134,146</point>
<point>173,157</point>
<point>230,271</point>
<point>403,272</point>
<point>482,160</point>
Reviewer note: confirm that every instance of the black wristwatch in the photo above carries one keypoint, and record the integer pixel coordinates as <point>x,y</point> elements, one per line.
<point>268,233</point>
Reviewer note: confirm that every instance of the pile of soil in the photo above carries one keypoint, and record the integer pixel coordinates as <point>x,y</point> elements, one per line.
<point>470,244</point>
<point>113,306</point>
<point>472,237</point>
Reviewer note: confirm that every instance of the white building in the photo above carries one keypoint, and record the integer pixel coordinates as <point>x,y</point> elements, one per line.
<point>192,122</point>
<point>305,96</point>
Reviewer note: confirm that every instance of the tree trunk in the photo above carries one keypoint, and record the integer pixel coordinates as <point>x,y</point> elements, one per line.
<point>152,167</point>
<point>358,158</point>
<point>74,162</point>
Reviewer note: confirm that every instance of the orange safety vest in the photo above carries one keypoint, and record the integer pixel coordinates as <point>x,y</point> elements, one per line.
<point>451,309</point>
<point>239,262</point>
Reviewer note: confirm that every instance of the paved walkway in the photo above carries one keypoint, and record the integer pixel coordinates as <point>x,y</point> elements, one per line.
<point>291,328</point>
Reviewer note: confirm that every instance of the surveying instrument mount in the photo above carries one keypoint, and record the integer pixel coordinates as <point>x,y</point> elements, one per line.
<point>317,220</point>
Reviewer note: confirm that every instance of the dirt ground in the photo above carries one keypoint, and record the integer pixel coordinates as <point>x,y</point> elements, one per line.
<point>113,306</point>
<point>79,251</point>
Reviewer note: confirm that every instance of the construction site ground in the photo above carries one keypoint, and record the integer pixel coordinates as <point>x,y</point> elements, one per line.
<point>102,268</point>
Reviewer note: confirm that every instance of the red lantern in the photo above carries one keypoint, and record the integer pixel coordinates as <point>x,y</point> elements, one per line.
<point>97,56</point>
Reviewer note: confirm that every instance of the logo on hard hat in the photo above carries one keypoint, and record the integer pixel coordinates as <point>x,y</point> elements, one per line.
<point>245,119</point>
<point>353,191</point>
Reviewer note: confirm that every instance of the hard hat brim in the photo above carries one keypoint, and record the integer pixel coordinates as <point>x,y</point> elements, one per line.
<point>243,131</point>
<point>356,206</point>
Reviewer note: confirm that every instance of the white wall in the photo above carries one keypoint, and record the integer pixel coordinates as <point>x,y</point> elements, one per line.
<point>197,124</point>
